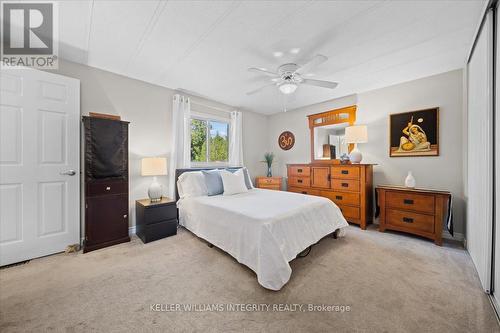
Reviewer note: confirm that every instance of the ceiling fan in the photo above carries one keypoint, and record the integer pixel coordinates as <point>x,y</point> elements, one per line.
<point>289,76</point>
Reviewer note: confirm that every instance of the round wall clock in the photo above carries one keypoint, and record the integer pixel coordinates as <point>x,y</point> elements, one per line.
<point>286,140</point>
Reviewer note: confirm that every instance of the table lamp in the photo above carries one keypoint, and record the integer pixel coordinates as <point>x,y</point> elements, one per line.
<point>355,135</point>
<point>154,166</point>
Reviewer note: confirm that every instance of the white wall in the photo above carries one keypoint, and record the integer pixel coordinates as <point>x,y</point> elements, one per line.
<point>296,122</point>
<point>443,172</point>
<point>148,107</point>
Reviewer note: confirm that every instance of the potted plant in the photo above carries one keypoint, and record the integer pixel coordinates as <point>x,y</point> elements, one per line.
<point>268,159</point>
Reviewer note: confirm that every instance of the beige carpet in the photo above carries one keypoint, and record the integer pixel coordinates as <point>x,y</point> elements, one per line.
<point>392,283</point>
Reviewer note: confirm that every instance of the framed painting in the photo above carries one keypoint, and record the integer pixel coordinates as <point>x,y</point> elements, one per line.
<point>414,133</point>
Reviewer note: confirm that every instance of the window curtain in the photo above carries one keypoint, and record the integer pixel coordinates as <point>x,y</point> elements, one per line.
<point>235,140</point>
<point>181,138</point>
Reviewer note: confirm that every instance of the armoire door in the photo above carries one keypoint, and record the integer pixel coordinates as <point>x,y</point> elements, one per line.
<point>39,164</point>
<point>106,218</point>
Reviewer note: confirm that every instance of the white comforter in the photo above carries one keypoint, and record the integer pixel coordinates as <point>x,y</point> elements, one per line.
<point>262,229</point>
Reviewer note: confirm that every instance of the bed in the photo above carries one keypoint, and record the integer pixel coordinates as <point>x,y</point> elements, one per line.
<point>262,229</point>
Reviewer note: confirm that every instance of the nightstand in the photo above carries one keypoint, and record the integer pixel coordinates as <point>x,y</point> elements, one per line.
<point>416,211</point>
<point>269,183</point>
<point>155,220</point>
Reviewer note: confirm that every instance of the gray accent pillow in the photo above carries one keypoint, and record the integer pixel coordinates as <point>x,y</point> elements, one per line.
<point>213,181</point>
<point>248,182</point>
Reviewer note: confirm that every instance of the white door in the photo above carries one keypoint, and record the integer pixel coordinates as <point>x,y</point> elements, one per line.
<point>480,153</point>
<point>496,265</point>
<point>39,164</point>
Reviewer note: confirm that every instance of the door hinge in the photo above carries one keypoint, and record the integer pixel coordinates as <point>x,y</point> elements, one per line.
<point>86,206</point>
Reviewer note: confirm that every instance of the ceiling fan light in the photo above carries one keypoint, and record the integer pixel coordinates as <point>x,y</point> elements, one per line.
<point>288,88</point>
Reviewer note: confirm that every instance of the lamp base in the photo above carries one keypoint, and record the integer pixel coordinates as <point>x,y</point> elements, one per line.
<point>154,191</point>
<point>355,156</point>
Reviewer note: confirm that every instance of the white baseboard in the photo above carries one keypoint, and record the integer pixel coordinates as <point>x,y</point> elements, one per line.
<point>131,230</point>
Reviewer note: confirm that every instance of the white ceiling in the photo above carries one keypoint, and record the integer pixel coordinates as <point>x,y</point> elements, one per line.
<point>207,46</point>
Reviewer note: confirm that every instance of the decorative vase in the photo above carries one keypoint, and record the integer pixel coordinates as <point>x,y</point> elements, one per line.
<point>410,180</point>
<point>269,171</point>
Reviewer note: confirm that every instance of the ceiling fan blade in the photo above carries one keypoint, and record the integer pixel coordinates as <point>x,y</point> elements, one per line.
<point>320,83</point>
<point>263,71</point>
<point>261,88</point>
<point>315,61</point>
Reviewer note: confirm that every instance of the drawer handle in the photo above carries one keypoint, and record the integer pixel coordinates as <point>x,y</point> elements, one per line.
<point>345,185</point>
<point>299,181</point>
<point>408,201</point>
<point>299,170</point>
<point>345,172</point>
<point>338,197</point>
<point>108,188</point>
<point>304,192</point>
<point>329,178</point>
<point>125,216</point>
<point>407,220</point>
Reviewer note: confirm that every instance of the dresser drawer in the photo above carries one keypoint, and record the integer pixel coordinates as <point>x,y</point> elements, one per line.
<point>269,181</point>
<point>345,185</point>
<point>342,198</point>
<point>106,188</point>
<point>159,230</point>
<point>350,212</point>
<point>298,170</point>
<point>409,220</point>
<point>410,201</point>
<point>303,190</point>
<point>160,213</point>
<point>269,187</point>
<point>345,172</point>
<point>299,181</point>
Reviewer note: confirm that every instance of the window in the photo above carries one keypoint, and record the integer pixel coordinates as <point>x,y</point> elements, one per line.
<point>209,141</point>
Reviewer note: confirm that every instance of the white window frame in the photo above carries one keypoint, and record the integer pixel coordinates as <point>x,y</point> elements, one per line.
<point>208,118</point>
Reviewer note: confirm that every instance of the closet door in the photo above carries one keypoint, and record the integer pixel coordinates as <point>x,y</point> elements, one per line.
<point>496,265</point>
<point>480,153</point>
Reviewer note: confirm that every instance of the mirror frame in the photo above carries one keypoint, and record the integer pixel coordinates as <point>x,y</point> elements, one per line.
<point>336,116</point>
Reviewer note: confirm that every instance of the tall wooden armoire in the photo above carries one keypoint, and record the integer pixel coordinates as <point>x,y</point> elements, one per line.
<point>106,182</point>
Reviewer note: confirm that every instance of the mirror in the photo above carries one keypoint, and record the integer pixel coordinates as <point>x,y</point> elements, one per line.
<point>328,133</point>
<point>329,143</point>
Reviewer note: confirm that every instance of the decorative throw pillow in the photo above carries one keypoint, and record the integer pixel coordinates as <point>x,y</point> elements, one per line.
<point>248,181</point>
<point>213,181</point>
<point>233,183</point>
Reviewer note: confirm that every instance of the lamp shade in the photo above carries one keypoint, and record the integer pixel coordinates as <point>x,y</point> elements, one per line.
<point>356,134</point>
<point>154,166</point>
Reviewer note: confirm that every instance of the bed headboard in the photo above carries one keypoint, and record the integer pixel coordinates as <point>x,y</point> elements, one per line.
<point>179,172</point>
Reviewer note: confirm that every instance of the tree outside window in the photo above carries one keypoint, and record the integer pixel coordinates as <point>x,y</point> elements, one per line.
<point>209,141</point>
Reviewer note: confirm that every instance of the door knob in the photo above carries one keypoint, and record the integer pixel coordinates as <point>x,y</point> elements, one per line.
<point>68,173</point>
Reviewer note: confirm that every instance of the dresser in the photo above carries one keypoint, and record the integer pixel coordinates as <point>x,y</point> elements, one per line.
<point>416,211</point>
<point>106,182</point>
<point>155,220</point>
<point>270,183</point>
<point>347,185</point>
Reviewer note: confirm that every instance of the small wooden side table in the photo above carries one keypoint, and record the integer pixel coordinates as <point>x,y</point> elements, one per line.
<point>416,211</point>
<point>269,183</point>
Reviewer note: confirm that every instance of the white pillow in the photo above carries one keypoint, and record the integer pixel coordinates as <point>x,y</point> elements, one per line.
<point>233,182</point>
<point>191,184</point>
